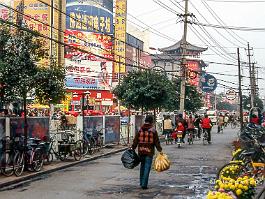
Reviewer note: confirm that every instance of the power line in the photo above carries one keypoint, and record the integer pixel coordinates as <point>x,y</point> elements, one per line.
<point>218,19</point>
<point>209,36</point>
<point>233,1</point>
<point>230,27</point>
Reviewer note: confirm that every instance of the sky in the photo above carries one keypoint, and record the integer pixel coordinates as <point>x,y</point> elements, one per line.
<point>222,44</point>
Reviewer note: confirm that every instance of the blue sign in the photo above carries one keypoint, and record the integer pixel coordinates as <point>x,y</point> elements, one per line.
<point>208,83</point>
<point>81,82</point>
<point>89,18</point>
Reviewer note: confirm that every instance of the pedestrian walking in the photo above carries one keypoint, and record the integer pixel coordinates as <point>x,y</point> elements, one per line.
<point>146,140</point>
<point>220,121</point>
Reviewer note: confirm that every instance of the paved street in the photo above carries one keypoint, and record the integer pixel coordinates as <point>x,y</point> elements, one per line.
<point>192,172</point>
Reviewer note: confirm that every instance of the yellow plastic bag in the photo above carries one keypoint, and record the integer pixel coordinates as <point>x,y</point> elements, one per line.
<point>161,162</point>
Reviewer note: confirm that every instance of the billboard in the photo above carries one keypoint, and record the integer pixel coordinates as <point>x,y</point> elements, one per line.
<point>38,18</point>
<point>5,13</point>
<point>84,70</point>
<point>90,16</point>
<point>120,36</point>
<point>193,73</point>
<point>88,56</point>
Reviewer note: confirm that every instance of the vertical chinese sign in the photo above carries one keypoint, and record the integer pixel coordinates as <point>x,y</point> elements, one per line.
<point>88,56</point>
<point>37,17</point>
<point>120,37</point>
<point>194,71</point>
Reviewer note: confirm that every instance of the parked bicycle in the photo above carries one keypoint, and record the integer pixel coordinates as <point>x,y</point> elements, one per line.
<point>29,156</point>
<point>7,156</point>
<point>91,141</point>
<point>69,147</point>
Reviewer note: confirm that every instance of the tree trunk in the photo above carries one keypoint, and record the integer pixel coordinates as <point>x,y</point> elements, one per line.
<point>25,120</point>
<point>155,118</point>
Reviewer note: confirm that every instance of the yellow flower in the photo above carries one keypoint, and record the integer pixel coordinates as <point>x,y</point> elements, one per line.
<point>232,187</point>
<point>245,188</point>
<point>240,186</point>
<point>238,192</point>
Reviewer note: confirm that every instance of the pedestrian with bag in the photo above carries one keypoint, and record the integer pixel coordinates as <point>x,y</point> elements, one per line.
<point>146,139</point>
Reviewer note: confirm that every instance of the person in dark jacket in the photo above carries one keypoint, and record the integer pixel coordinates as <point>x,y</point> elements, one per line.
<point>146,140</point>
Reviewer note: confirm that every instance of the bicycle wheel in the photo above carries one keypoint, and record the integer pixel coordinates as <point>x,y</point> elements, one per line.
<point>261,194</point>
<point>83,146</point>
<point>232,170</point>
<point>49,157</point>
<point>6,163</point>
<point>91,147</point>
<point>233,125</point>
<point>19,163</point>
<point>77,154</point>
<point>37,161</point>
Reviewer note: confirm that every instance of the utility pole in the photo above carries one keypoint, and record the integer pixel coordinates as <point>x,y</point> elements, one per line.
<point>240,92</point>
<point>252,94</point>
<point>254,79</point>
<point>183,61</point>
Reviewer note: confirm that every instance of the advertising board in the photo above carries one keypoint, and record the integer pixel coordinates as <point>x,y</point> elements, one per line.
<point>89,16</point>
<point>120,36</point>
<point>193,74</point>
<point>5,13</point>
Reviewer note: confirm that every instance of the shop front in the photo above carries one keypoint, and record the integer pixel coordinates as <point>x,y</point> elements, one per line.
<point>100,101</point>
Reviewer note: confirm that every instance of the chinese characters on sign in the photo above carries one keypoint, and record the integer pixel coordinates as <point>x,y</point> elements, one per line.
<point>120,36</point>
<point>37,17</point>
<point>193,73</point>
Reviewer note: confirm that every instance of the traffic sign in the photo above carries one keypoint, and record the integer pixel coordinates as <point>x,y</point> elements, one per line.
<point>231,94</point>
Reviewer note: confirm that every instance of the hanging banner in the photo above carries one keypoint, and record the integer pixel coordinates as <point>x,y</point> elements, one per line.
<point>120,36</point>
<point>193,73</point>
<point>208,83</point>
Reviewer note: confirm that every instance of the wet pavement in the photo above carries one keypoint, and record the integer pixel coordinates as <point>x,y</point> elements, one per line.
<point>191,175</point>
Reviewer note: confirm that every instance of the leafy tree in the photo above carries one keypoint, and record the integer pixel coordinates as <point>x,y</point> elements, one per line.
<point>247,102</point>
<point>21,73</point>
<point>144,89</point>
<point>226,106</point>
<point>193,99</point>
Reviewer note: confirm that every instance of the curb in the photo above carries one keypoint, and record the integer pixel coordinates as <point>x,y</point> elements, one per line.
<point>34,176</point>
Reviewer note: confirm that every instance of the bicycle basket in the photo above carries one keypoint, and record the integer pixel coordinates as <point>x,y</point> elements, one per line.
<point>245,144</point>
<point>19,143</point>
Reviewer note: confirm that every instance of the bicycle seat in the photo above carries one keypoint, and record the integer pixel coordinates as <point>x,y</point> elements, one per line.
<point>33,145</point>
<point>248,153</point>
<point>71,135</point>
<point>61,141</point>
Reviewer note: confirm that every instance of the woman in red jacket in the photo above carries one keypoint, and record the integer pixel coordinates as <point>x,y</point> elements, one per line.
<point>206,125</point>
